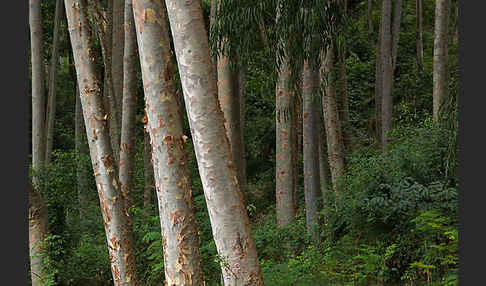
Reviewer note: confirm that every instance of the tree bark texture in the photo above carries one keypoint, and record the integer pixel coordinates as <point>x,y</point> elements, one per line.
<point>397,16</point>
<point>38,220</point>
<point>332,124</point>
<point>224,200</point>
<point>440,75</point>
<point>344,103</point>
<point>129,106</point>
<point>387,72</point>
<point>81,152</point>
<point>148,172</point>
<point>310,150</point>
<point>420,40</point>
<point>117,57</point>
<point>118,234</point>
<point>323,157</point>
<point>51,104</point>
<point>178,225</point>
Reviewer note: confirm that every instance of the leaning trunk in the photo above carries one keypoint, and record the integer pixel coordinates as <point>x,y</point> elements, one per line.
<point>310,150</point>
<point>387,73</point>
<point>332,125</point>
<point>178,225</point>
<point>118,234</point>
<point>440,90</point>
<point>224,200</point>
<point>51,105</point>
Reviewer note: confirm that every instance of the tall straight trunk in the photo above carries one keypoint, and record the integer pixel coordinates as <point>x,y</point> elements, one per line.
<point>224,199</point>
<point>323,157</point>
<point>378,87</point>
<point>51,105</point>
<point>387,71</point>
<point>118,234</point>
<point>241,95</point>
<point>38,220</point>
<point>285,147</point>
<point>440,75</point>
<point>180,240</point>
<point>397,16</point>
<point>148,172</point>
<point>117,57</point>
<point>310,140</point>
<point>129,107</point>
<point>81,171</point>
<point>212,17</point>
<point>296,118</point>
<point>370,17</point>
<point>420,40</point>
<point>332,124</point>
<point>344,103</point>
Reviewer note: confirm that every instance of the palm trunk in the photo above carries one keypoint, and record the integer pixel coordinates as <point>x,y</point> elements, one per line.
<point>118,234</point>
<point>51,105</point>
<point>332,124</point>
<point>38,220</point>
<point>441,27</point>
<point>397,15</point>
<point>386,63</point>
<point>420,41</point>
<point>148,172</point>
<point>179,232</point>
<point>310,149</point>
<point>224,200</point>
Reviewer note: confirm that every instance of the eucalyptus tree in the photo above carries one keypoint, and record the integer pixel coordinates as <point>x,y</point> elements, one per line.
<point>118,234</point>
<point>386,70</point>
<point>180,239</point>
<point>224,200</point>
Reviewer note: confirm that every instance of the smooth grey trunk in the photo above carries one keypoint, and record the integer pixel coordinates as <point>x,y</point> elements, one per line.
<point>224,199</point>
<point>212,18</point>
<point>397,16</point>
<point>118,234</point>
<point>51,104</point>
<point>420,40</point>
<point>370,17</point>
<point>38,220</point>
<point>387,72</point>
<point>148,172</point>
<point>440,75</point>
<point>180,239</point>
<point>310,146</point>
<point>332,124</point>
<point>117,58</point>
<point>129,107</point>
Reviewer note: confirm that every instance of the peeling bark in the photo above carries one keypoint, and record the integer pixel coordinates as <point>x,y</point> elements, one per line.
<point>38,228</point>
<point>440,75</point>
<point>51,105</point>
<point>310,149</point>
<point>182,260</point>
<point>332,124</point>
<point>229,221</point>
<point>118,234</point>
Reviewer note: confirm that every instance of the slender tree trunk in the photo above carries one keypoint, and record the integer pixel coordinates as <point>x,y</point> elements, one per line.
<point>224,200</point>
<point>344,103</point>
<point>386,68</point>
<point>129,107</point>
<point>332,124</point>
<point>310,150</point>
<point>263,34</point>
<point>241,94</point>
<point>378,87</point>
<point>212,18</point>
<point>118,234</point>
<point>148,172</point>
<point>117,58</point>
<point>420,41</point>
<point>323,157</point>
<point>179,232</point>
<point>397,16</point>
<point>370,17</point>
<point>81,152</point>
<point>441,26</point>
<point>38,220</point>
<point>51,105</point>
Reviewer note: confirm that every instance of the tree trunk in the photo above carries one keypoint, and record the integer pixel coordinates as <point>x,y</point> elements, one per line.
<point>378,87</point>
<point>332,124</point>
<point>179,232</point>
<point>440,90</point>
<point>118,234</point>
<point>370,18</point>
<point>212,18</point>
<point>387,77</point>
<point>229,221</point>
<point>129,107</point>
<point>310,149</point>
<point>117,57</point>
<point>420,41</point>
<point>81,152</point>
<point>241,95</point>
<point>397,15</point>
<point>344,104</point>
<point>51,105</point>
<point>38,220</point>
<point>148,172</point>
<point>323,157</point>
